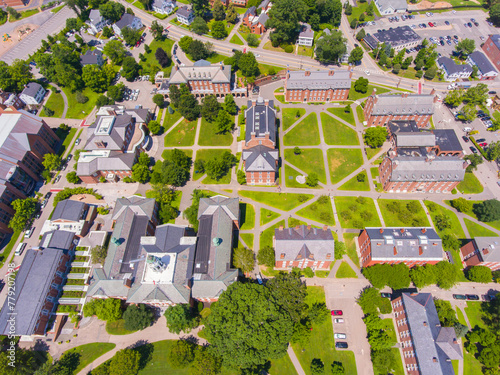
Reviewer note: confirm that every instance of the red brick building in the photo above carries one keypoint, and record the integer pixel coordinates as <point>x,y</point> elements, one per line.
<point>380,109</point>
<point>255,22</point>
<point>481,251</point>
<point>303,246</point>
<point>492,49</point>
<point>317,86</point>
<point>239,3</point>
<point>412,246</point>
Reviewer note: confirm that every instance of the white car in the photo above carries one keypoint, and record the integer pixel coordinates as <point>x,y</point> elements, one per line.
<point>367,72</point>
<point>29,232</point>
<point>338,320</point>
<point>339,335</point>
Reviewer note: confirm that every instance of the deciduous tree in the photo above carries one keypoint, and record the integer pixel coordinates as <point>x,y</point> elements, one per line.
<point>137,317</point>
<point>218,11</point>
<point>265,256</point>
<point>180,318</point>
<point>243,259</point>
<point>25,209</point>
<point>375,136</point>
<point>331,48</point>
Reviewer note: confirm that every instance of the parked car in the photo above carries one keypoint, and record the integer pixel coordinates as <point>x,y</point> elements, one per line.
<point>447,23</point>
<point>472,297</point>
<point>476,24</point>
<point>338,320</point>
<point>430,24</point>
<point>20,248</point>
<point>466,25</point>
<point>480,140</point>
<point>492,92</point>
<point>460,296</point>
<point>337,312</point>
<point>48,195</point>
<point>44,203</point>
<point>483,144</point>
<point>341,345</point>
<point>385,295</point>
<point>77,142</point>
<point>38,214</point>
<point>29,232</point>
<point>469,24</point>
<point>473,149</point>
<point>259,279</point>
<point>465,138</point>
<point>57,179</point>
<point>339,336</point>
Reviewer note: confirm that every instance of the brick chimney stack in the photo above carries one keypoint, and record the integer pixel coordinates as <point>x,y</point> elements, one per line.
<point>424,230</point>
<point>331,72</point>
<point>381,230</point>
<point>307,73</point>
<point>433,92</point>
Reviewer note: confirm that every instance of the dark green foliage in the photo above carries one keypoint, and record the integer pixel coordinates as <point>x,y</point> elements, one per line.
<point>68,192</point>
<point>312,180</point>
<point>266,256</point>
<point>317,367</point>
<point>137,317</point>
<point>488,210</point>
<point>210,108</point>
<point>375,136</point>
<point>479,274</point>
<point>199,26</point>
<point>154,127</point>
<point>446,313</point>
<point>181,354</point>
<point>105,309</point>
<point>361,85</point>
<point>181,318</point>
<point>25,209</point>
<point>451,242</point>
<point>423,275</point>
<point>330,48</point>
<point>162,57</point>
<point>191,213</point>
<point>220,166</point>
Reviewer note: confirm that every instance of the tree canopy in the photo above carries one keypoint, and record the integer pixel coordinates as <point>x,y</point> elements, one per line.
<point>489,210</point>
<point>137,317</point>
<point>375,136</point>
<point>330,48</point>
<point>25,209</point>
<point>180,318</point>
<point>284,18</point>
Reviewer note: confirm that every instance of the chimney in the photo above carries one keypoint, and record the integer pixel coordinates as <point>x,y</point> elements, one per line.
<point>309,227</point>
<point>325,228</point>
<point>402,230</point>
<point>307,73</point>
<point>433,92</point>
<point>331,72</point>
<point>435,99</point>
<point>395,251</point>
<point>420,250</point>
<point>297,227</point>
<point>281,228</point>
<point>221,65</point>
<point>425,324</point>
<point>381,230</point>
<point>485,251</point>
<point>434,359</point>
<point>424,230</point>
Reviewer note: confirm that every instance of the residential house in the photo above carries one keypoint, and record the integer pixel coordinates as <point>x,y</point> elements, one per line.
<point>380,109</point>
<point>38,285</point>
<point>239,3</point>
<point>96,21</point>
<point>481,251</point>
<point>412,246</point>
<point>492,49</point>
<point>401,37</point>
<point>265,5</point>
<point>391,6</point>
<point>32,94</point>
<point>10,100</point>
<point>92,57</point>
<point>486,70</point>
<point>453,71</point>
<point>127,20</point>
<point>24,140</point>
<point>427,347</point>
<point>317,86</point>
<point>71,215</point>
<point>185,15</point>
<point>306,35</point>
<point>163,6</point>
<point>303,247</point>
<point>255,21</point>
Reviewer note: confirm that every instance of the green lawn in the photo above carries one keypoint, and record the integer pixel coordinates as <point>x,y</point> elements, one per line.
<point>55,10</point>
<point>460,316</point>
<point>117,328</point>
<point>341,113</point>
<point>281,201</point>
<point>345,272</point>
<point>166,45</point>
<point>374,172</point>
<point>354,95</point>
<point>182,135</point>
<point>291,182</point>
<point>471,365</point>
<point>79,110</point>
<point>474,314</point>
<point>4,255</point>
<point>67,141</point>
<point>476,230</point>
<point>236,40</point>
<point>209,154</point>
<point>359,9</point>
<point>26,14</point>
<point>470,184</point>
<point>322,213</point>
<point>351,247</point>
<point>456,228</point>
<point>354,185</point>
<point>209,137</point>
<point>89,353</point>
<point>343,162</point>
<point>371,152</point>
<point>310,161</point>
<point>170,120</point>
<point>247,216</point>
<point>353,212</point>
<point>248,238</point>
<point>282,366</point>
<point>229,27</point>
<point>267,215</point>
<point>55,103</point>
<point>495,224</point>
<point>321,343</point>
<point>336,133</point>
<point>289,116</point>
<point>359,112</point>
<point>166,153</point>
<point>393,219</point>
<point>266,237</point>
<point>305,133</point>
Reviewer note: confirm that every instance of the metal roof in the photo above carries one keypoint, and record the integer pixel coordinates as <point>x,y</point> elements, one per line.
<point>260,120</point>
<point>318,80</point>
<point>260,159</point>
<point>403,104</point>
<point>304,242</point>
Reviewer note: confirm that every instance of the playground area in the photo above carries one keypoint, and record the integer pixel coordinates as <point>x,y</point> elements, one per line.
<point>9,40</point>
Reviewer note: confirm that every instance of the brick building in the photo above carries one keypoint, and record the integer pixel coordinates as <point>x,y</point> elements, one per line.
<point>10,100</point>
<point>256,22</point>
<point>427,347</point>
<point>380,109</point>
<point>303,246</point>
<point>481,251</point>
<point>412,246</point>
<point>492,49</point>
<point>24,140</point>
<point>317,86</point>
<point>72,216</point>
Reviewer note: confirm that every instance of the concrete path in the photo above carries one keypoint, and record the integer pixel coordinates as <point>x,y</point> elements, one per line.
<point>295,361</point>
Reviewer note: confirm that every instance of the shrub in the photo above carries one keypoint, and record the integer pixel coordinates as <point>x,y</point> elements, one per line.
<point>80,98</point>
<point>289,49</point>
<point>308,272</point>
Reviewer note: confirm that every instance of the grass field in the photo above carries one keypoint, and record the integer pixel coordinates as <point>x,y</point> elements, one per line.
<point>310,161</point>
<point>289,116</point>
<point>354,185</point>
<point>291,179</point>
<point>248,238</point>
<point>354,95</point>
<point>89,353</point>
<point>358,10</point>
<point>4,255</point>
<point>336,133</point>
<point>117,328</point>
<point>321,343</point>
<point>476,230</point>
<point>166,45</point>
<point>470,184</point>
<point>456,228</point>
<point>209,154</point>
<point>359,112</point>
<point>266,237</point>
<point>474,314</point>
<point>343,162</point>
<point>322,213</point>
<point>170,120</point>
<point>267,215</point>
<point>182,135</point>
<point>345,272</point>
<point>495,224</point>
<point>341,113</point>
<point>351,247</point>
<point>67,141</point>
<point>393,220</point>
<point>281,201</point>
<point>353,210</point>
<point>460,316</point>
<point>471,365</point>
<point>209,137</point>
<point>55,103</point>
<point>305,133</point>
<point>236,40</point>
<point>80,110</point>
<point>247,216</point>
<point>371,152</point>
<point>166,153</point>
<point>282,366</point>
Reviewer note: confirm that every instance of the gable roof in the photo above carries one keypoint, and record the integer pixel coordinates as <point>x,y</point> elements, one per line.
<point>260,120</point>
<point>91,57</point>
<point>306,31</point>
<point>423,168</point>
<point>495,38</point>
<point>125,21</point>
<point>95,17</point>
<point>31,89</point>
<point>68,209</point>
<point>91,162</point>
<point>184,11</point>
<point>57,239</point>
<point>384,5</point>
<point>482,62</point>
<point>260,159</point>
<point>403,104</point>
<point>451,67</point>
<point>489,248</point>
<point>304,242</point>
<point>216,73</point>
<point>318,79</point>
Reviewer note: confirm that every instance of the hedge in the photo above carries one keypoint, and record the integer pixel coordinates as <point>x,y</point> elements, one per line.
<point>481,150</point>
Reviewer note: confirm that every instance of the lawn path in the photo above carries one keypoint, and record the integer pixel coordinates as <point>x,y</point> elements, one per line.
<point>324,150</point>
<point>295,361</point>
<point>306,174</point>
<point>65,99</point>
<point>379,212</point>
<point>426,212</point>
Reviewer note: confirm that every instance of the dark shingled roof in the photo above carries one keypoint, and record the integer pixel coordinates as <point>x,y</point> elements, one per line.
<point>57,239</point>
<point>31,89</point>
<point>261,120</point>
<point>482,62</point>
<point>397,36</point>
<point>452,67</point>
<point>260,159</point>
<point>304,243</point>
<point>68,210</point>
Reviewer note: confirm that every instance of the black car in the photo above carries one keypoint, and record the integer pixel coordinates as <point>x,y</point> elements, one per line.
<point>480,140</point>
<point>492,92</point>
<point>341,345</point>
<point>385,295</point>
<point>441,42</point>
<point>465,138</point>
<point>469,24</point>
<point>473,149</point>
<point>460,296</point>
<point>47,196</point>
<point>38,214</point>
<point>472,297</point>
<point>447,23</point>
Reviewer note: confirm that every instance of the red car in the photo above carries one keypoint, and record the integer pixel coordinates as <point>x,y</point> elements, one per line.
<point>484,144</point>
<point>337,312</point>
<point>431,24</point>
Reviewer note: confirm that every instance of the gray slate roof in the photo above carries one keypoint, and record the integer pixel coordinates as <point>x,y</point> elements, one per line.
<point>405,244</point>
<point>489,248</point>
<point>68,209</point>
<point>261,120</point>
<point>397,36</point>
<point>184,11</point>
<point>115,139</point>
<point>318,80</point>
<point>33,282</point>
<point>57,239</point>
<point>425,139</point>
<point>216,73</point>
<point>432,344</point>
<point>304,243</point>
<point>482,62</point>
<point>420,168</point>
<point>95,17</point>
<point>91,57</point>
<point>116,161</point>
<point>451,67</point>
<point>403,104</point>
<point>125,21</point>
<point>306,31</point>
<point>167,239</point>
<point>495,38</point>
<point>260,159</point>
<point>250,12</point>
<point>394,4</point>
<point>31,89</point>
<point>264,3</point>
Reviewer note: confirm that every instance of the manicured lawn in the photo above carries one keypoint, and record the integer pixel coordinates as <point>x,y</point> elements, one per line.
<point>474,314</point>
<point>343,162</point>
<point>182,135</point>
<point>495,224</point>
<point>117,328</point>
<point>358,10</point>
<point>79,110</point>
<point>67,141</point>
<point>371,152</point>
<point>476,230</point>
<point>289,116</point>
<point>166,153</point>
<point>291,181</point>
<point>336,133</point>
<point>170,120</point>
<point>166,45</point>
<point>470,184</point>
<point>267,215</point>
<point>305,133</point>
<point>456,228</point>
<point>229,26</point>
<point>55,103</point>
<point>354,185</point>
<point>322,213</point>
<point>247,216</point>
<point>351,247</point>
<point>359,112</point>
<point>248,238</point>
<point>209,137</point>
<point>282,366</point>
<point>27,13</point>
<point>236,40</point>
<point>392,220</point>
<point>321,343</point>
<point>471,365</point>
<point>460,316</point>
<point>55,10</point>
<point>209,154</point>
<point>374,172</point>
<point>345,272</point>
<point>281,201</point>
<point>266,237</point>
<point>399,370</point>
<point>341,113</point>
<point>354,210</point>
<point>89,353</point>
<point>310,161</point>
<point>353,95</point>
